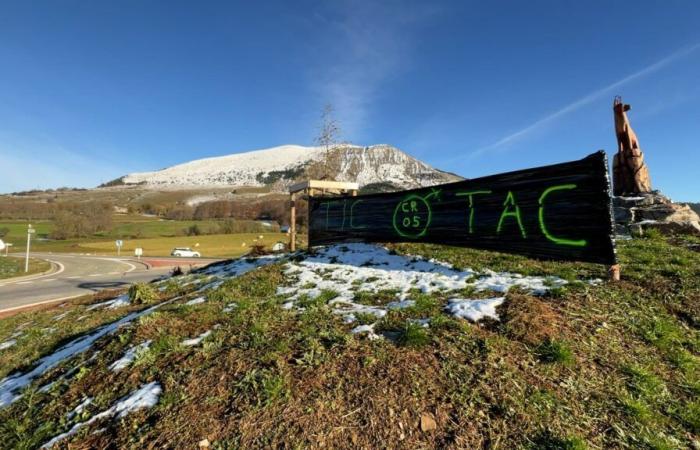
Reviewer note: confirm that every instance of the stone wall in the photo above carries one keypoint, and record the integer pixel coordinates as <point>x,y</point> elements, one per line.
<point>635,215</point>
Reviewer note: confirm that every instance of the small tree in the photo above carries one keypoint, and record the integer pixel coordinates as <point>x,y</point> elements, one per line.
<point>328,135</point>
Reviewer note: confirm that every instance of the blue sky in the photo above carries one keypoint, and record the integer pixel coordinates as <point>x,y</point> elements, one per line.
<point>92,90</point>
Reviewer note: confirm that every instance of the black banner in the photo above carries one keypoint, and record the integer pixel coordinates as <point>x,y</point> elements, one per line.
<point>554,212</point>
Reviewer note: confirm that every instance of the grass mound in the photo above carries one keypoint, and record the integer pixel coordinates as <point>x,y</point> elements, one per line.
<point>587,365</point>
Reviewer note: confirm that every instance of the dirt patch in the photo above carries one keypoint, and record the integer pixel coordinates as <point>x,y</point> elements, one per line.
<point>529,319</point>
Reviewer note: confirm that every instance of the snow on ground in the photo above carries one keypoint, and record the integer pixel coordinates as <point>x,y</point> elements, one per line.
<point>230,307</point>
<point>474,309</point>
<point>47,387</point>
<point>61,316</point>
<point>366,329</point>
<point>80,408</point>
<point>196,301</point>
<point>237,169</point>
<point>129,356</point>
<point>352,268</point>
<point>11,385</point>
<point>7,344</point>
<point>122,300</point>
<point>145,397</point>
<point>196,341</point>
<point>239,266</point>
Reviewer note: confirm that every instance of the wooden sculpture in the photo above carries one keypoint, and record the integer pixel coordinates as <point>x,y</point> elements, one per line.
<point>630,174</point>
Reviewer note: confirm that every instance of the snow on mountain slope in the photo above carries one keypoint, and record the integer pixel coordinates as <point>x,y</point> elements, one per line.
<point>280,166</point>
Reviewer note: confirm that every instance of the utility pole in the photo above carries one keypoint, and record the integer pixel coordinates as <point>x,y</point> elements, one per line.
<point>30,231</point>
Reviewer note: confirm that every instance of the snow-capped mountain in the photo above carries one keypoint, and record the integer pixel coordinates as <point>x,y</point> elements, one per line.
<point>280,166</point>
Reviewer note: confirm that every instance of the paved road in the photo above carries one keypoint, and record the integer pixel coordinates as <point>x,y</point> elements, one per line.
<point>76,275</point>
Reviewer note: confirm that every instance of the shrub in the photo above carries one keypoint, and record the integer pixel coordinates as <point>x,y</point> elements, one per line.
<point>142,293</point>
<point>193,230</point>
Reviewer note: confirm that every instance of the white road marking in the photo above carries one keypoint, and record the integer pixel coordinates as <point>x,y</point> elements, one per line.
<point>131,266</point>
<point>24,282</point>
<point>50,279</point>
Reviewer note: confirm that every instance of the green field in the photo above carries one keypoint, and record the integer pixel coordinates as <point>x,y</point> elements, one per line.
<point>210,246</point>
<point>156,236</point>
<point>14,267</point>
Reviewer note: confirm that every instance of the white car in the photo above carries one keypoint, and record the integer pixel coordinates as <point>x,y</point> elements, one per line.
<point>185,252</point>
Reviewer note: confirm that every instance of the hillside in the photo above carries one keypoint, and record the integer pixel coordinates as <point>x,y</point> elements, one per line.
<point>279,166</point>
<point>695,207</point>
<point>361,347</point>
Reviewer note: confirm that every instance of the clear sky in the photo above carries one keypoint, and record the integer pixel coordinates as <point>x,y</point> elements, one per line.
<point>92,90</point>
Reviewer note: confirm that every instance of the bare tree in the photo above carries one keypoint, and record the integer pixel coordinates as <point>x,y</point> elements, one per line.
<point>328,135</point>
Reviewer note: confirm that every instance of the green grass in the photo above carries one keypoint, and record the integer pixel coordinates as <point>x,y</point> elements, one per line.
<point>552,351</point>
<point>14,267</point>
<point>614,365</point>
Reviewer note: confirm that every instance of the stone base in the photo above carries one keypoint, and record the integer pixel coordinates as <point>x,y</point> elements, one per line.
<point>634,215</point>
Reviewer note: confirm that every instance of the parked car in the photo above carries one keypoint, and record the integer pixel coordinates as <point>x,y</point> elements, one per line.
<point>185,252</point>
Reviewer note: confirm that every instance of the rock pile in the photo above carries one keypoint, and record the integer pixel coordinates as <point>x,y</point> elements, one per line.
<point>635,215</point>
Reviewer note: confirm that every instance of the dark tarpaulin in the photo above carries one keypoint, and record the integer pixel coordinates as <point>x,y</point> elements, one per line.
<point>554,212</point>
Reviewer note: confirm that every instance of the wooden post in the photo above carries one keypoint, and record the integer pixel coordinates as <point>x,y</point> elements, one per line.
<point>292,224</point>
<point>614,272</point>
<point>308,217</point>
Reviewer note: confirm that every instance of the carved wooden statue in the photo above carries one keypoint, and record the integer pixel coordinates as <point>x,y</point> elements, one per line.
<point>630,174</point>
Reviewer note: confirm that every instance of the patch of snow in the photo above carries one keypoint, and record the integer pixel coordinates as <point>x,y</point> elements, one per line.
<point>11,385</point>
<point>425,323</point>
<point>7,344</point>
<point>80,408</point>
<point>351,268</point>
<point>129,356</point>
<point>145,397</point>
<point>197,340</point>
<point>61,316</point>
<point>474,309</point>
<point>368,329</point>
<point>240,266</point>
<point>69,373</point>
<point>117,302</point>
<point>230,307</point>
<point>401,304</point>
<point>196,301</point>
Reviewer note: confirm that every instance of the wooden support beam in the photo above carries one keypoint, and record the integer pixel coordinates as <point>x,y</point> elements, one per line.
<point>292,223</point>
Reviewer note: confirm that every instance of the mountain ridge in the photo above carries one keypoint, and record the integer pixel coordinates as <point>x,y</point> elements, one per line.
<point>278,167</point>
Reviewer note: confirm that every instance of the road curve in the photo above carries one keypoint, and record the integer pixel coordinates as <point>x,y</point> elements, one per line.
<point>75,275</point>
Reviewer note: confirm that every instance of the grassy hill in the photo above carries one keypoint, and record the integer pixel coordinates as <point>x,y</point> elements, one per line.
<point>357,347</point>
